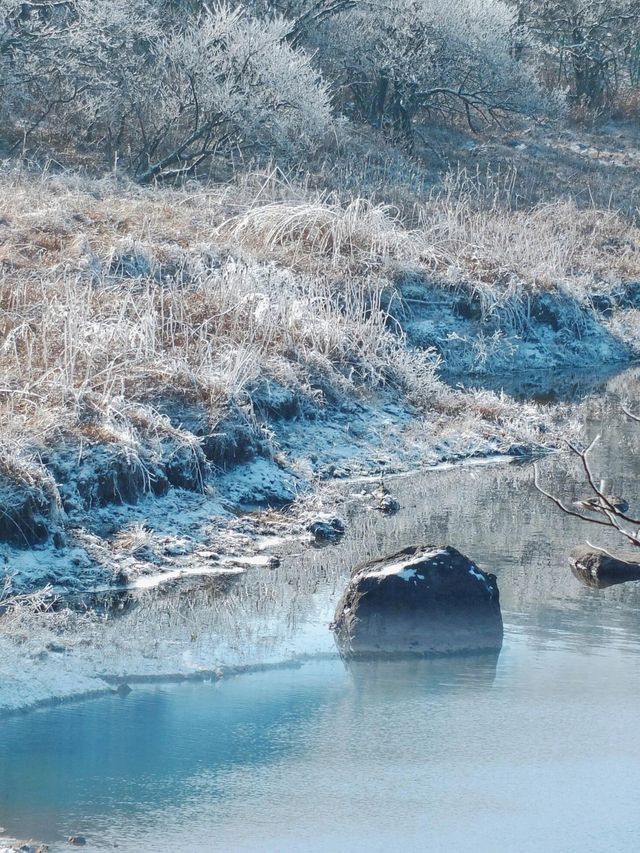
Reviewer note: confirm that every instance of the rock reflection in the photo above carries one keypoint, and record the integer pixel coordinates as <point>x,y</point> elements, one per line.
<point>420,676</point>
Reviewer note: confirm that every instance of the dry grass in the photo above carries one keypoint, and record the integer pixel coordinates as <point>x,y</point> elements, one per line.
<point>474,230</point>
<point>489,241</point>
<point>113,297</point>
<point>356,233</point>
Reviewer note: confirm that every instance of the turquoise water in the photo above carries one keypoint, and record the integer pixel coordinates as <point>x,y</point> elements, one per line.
<point>535,752</point>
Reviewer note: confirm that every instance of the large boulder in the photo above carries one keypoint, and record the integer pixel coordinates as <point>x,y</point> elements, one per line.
<point>423,600</point>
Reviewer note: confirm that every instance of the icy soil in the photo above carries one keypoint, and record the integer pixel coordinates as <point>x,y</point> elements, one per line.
<point>193,532</point>
<point>550,332</point>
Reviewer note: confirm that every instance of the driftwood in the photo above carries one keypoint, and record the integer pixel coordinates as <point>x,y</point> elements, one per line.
<point>599,569</point>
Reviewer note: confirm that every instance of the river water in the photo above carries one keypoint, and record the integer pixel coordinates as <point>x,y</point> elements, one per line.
<point>536,749</point>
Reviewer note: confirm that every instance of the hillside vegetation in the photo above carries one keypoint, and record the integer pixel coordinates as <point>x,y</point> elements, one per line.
<point>259,237</point>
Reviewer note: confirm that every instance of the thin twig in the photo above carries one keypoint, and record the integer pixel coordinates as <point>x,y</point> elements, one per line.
<point>607,506</point>
<point>609,554</point>
<point>559,503</point>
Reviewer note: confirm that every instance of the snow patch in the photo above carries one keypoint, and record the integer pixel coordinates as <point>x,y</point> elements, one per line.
<point>408,574</point>
<point>405,569</point>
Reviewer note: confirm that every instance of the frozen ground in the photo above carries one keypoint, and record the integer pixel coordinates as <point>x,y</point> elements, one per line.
<point>152,536</point>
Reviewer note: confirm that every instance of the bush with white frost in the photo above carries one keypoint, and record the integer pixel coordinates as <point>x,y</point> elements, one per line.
<point>233,80</point>
<point>158,93</point>
<point>403,63</point>
<point>592,45</point>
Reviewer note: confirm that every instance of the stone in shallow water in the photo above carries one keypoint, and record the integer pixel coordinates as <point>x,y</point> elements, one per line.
<point>326,528</point>
<point>423,600</point>
<point>598,569</point>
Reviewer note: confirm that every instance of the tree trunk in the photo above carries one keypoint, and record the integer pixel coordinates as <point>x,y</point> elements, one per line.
<point>378,100</point>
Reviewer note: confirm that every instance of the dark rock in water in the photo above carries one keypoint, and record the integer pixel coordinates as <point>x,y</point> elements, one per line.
<point>600,570</point>
<point>326,528</point>
<point>388,505</point>
<point>423,600</point>
<point>123,689</point>
<point>77,840</point>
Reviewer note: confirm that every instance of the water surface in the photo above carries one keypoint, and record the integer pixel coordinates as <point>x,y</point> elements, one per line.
<point>534,750</point>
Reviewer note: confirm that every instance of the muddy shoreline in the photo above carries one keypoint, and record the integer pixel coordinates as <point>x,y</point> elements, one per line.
<point>124,538</point>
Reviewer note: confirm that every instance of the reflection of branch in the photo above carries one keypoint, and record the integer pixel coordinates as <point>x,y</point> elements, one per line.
<point>613,515</point>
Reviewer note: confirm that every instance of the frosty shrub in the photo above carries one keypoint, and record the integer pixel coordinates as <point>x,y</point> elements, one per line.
<point>160,93</point>
<point>404,62</point>
<point>162,86</point>
<point>592,45</point>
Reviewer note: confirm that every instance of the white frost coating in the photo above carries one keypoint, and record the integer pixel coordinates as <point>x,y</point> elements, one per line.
<point>404,569</point>
<point>476,574</point>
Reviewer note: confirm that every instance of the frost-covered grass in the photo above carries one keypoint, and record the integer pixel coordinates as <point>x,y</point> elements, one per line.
<point>114,300</point>
<point>473,229</point>
<point>495,241</point>
<point>140,326</point>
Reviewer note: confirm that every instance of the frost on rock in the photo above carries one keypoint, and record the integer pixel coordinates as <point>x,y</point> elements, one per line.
<point>423,600</point>
<point>326,528</point>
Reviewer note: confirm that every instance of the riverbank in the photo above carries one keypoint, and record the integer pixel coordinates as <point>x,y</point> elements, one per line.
<point>127,542</point>
<point>257,589</point>
<point>174,357</point>
<point>204,614</point>
<point>188,372</point>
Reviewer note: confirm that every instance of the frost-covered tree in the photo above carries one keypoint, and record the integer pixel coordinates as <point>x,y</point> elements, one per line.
<point>72,62</point>
<point>161,92</point>
<point>590,42</point>
<point>233,80</point>
<point>404,61</point>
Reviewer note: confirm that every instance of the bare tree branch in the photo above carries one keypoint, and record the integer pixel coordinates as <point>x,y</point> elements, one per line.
<point>613,515</point>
